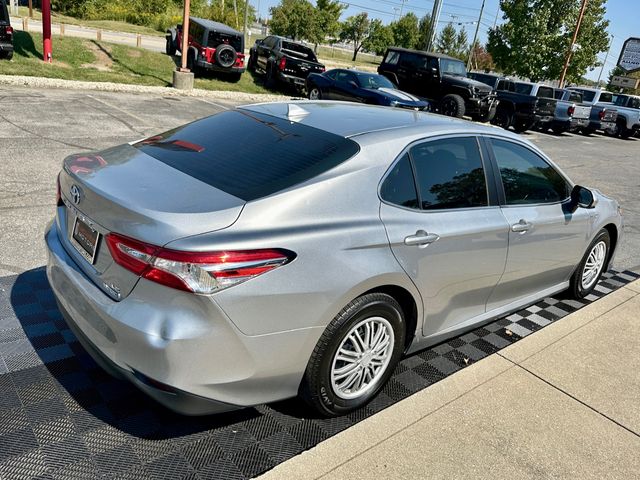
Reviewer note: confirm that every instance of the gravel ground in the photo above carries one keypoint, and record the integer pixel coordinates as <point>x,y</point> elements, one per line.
<point>48,83</point>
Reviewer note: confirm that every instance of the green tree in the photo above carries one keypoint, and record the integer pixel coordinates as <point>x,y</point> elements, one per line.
<point>230,12</point>
<point>534,39</point>
<point>405,31</point>
<point>424,32</point>
<point>446,41</point>
<point>481,59</point>
<point>293,18</point>
<point>380,37</point>
<point>326,20</point>
<point>355,30</point>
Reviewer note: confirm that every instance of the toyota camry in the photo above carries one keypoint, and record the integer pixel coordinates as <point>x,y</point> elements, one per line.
<point>312,252</point>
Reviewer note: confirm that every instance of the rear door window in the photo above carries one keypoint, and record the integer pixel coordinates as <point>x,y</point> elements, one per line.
<point>249,155</point>
<point>4,14</point>
<point>399,187</point>
<point>449,174</point>
<point>217,38</point>
<point>606,97</point>
<point>526,177</point>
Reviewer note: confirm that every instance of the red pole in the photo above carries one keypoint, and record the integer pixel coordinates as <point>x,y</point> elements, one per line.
<point>46,30</point>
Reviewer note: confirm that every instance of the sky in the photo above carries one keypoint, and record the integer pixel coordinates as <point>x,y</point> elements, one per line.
<point>623,16</point>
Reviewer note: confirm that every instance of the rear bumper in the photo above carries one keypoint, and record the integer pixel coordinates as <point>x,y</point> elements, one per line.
<point>180,349</point>
<point>578,123</point>
<point>604,126</point>
<point>212,67</point>
<point>291,79</point>
<point>6,46</point>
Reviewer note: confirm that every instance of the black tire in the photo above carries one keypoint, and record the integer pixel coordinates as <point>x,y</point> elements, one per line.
<point>577,289</point>
<point>6,55</point>
<point>270,77</point>
<point>622,130</point>
<point>191,61</point>
<point>452,106</point>
<point>226,55</point>
<point>316,388</point>
<point>587,131</point>
<point>521,126</point>
<point>314,93</point>
<point>503,119</point>
<point>170,48</point>
<point>251,64</point>
<point>558,130</point>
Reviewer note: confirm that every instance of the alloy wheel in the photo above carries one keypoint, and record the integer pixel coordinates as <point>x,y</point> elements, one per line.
<point>362,358</point>
<point>593,265</point>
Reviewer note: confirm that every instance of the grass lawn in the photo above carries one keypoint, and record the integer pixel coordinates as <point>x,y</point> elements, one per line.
<point>114,25</point>
<point>89,60</point>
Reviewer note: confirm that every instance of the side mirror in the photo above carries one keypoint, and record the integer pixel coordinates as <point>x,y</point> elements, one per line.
<point>581,197</point>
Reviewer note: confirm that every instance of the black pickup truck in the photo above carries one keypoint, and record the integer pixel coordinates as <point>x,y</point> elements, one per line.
<point>521,105</point>
<point>6,32</point>
<point>283,61</point>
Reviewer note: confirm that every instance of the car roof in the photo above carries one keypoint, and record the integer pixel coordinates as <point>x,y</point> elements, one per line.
<point>349,119</point>
<point>217,26</point>
<point>422,52</point>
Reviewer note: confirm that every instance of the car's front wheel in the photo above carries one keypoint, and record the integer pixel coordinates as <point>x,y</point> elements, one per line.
<point>452,106</point>
<point>591,267</point>
<point>355,356</point>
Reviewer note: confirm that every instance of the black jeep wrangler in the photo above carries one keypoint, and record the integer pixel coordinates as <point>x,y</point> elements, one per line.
<point>6,32</point>
<point>440,79</point>
<point>213,46</point>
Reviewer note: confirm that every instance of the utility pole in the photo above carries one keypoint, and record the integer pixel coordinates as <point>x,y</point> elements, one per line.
<point>185,36</point>
<point>246,17</point>
<point>435,16</point>
<point>573,42</point>
<point>475,37</point>
<point>30,8</point>
<point>606,57</point>
<point>402,6</point>
<point>495,20</point>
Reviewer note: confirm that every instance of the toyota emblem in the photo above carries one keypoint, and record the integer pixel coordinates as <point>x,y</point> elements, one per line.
<point>75,194</point>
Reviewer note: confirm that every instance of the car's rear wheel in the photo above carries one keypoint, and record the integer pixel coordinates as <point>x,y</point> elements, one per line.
<point>452,106</point>
<point>588,131</point>
<point>251,64</point>
<point>6,55</point>
<point>522,126</point>
<point>315,94</point>
<point>170,47</point>
<point>622,130</point>
<point>270,77</point>
<point>591,267</point>
<point>502,119</point>
<point>191,61</point>
<point>355,356</point>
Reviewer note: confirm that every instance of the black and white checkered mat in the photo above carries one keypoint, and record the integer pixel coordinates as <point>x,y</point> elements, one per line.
<point>62,417</point>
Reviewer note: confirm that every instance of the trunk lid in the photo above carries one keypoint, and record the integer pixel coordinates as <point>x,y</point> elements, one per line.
<point>126,191</point>
<point>545,106</point>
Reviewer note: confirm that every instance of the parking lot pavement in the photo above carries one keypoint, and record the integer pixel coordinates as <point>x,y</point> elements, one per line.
<point>39,128</point>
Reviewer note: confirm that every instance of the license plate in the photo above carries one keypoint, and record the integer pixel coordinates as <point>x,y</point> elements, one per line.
<point>84,239</point>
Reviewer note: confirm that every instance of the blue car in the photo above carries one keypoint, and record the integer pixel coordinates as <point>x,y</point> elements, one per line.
<point>362,87</point>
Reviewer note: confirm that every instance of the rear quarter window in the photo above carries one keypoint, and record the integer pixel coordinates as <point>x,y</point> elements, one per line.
<point>392,58</point>
<point>249,155</point>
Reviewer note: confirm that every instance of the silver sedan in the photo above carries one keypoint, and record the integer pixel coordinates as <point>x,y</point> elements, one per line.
<point>305,247</point>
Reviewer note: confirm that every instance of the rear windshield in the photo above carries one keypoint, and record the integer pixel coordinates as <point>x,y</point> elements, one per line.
<point>299,51</point>
<point>587,95</point>
<point>249,155</point>
<point>216,38</point>
<point>545,92</point>
<point>4,14</point>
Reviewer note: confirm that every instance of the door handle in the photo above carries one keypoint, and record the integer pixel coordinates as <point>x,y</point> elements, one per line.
<point>421,238</point>
<point>522,226</point>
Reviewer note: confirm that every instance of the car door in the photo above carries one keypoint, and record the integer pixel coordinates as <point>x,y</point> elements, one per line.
<point>546,239</point>
<point>345,87</point>
<point>446,230</point>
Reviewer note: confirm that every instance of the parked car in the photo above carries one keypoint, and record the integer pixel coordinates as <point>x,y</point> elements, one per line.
<point>628,121</point>
<point>570,113</point>
<point>363,87</point>
<point>518,105</point>
<point>604,114</point>
<point>440,79</point>
<point>216,274</point>
<point>213,46</point>
<point>283,61</point>
<point>6,32</point>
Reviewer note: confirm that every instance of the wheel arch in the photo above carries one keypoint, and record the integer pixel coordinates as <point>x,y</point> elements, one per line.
<point>409,308</point>
<point>613,237</point>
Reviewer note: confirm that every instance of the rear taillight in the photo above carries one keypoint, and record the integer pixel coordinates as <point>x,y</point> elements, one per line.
<point>58,192</point>
<point>197,272</point>
<point>571,110</point>
<point>9,30</point>
<point>602,113</point>
<point>282,64</point>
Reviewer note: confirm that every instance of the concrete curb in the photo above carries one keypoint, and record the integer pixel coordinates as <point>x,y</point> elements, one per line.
<point>342,450</point>
<point>43,82</point>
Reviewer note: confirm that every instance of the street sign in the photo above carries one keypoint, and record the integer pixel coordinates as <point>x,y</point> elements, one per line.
<point>625,82</point>
<point>629,59</point>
